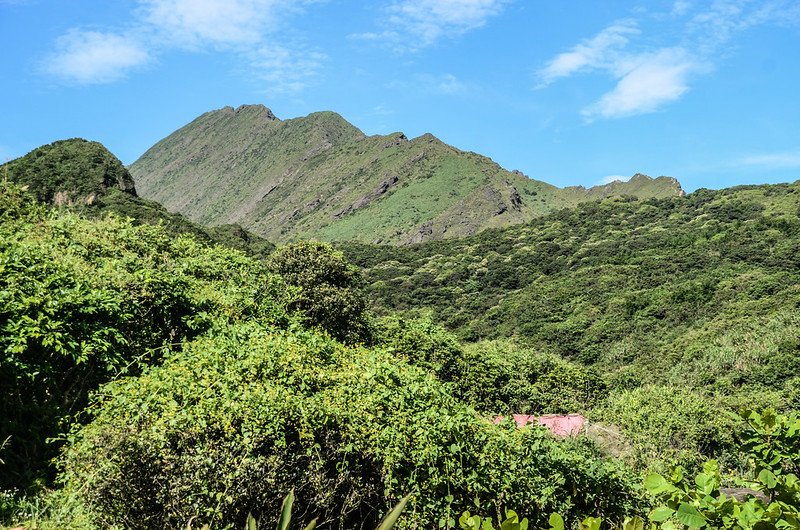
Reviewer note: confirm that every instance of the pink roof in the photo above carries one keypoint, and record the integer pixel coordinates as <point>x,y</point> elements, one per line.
<point>560,425</point>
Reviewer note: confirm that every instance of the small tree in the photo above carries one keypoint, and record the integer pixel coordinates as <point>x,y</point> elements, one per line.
<point>330,296</point>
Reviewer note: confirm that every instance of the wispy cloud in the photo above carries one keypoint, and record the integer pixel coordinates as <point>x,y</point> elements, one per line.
<point>601,51</point>
<point>286,70</point>
<point>649,81</point>
<point>613,178</point>
<point>247,29</point>
<point>681,7</point>
<point>421,23</point>
<point>784,160</point>
<point>446,84</point>
<point>450,84</point>
<point>648,78</point>
<point>209,22</point>
<point>91,57</point>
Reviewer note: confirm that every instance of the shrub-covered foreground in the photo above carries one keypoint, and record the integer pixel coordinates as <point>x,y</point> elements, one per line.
<point>237,417</point>
<point>82,302</point>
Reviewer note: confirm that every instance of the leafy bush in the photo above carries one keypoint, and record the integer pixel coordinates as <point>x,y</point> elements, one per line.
<point>82,302</point>
<point>330,295</point>
<point>238,416</point>
<point>502,377</point>
<point>666,425</point>
<point>772,443</point>
<point>76,168</point>
<point>422,343</point>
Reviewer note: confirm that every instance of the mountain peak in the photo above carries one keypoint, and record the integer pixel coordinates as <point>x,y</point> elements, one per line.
<point>319,176</point>
<point>70,171</point>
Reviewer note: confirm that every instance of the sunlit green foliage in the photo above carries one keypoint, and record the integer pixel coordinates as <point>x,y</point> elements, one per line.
<point>673,291</point>
<point>501,377</point>
<point>237,416</point>
<point>83,302</point>
<point>772,443</point>
<point>665,425</point>
<point>330,295</point>
<point>69,171</point>
<point>422,343</point>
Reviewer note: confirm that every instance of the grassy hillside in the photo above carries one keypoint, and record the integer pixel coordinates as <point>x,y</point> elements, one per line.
<point>321,177</point>
<point>698,291</point>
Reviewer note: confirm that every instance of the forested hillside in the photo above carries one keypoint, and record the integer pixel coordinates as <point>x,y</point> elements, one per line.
<point>320,177</point>
<point>700,290</point>
<point>159,374</point>
<point>219,388</point>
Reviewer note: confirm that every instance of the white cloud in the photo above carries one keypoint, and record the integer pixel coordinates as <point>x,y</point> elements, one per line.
<point>215,22</point>
<point>613,178</point>
<point>250,30</point>
<point>286,70</point>
<point>92,57</point>
<point>375,36</point>
<point>651,80</point>
<point>773,160</point>
<point>681,7</point>
<point>600,51</point>
<point>414,24</point>
<point>647,77</point>
<point>449,84</point>
<point>446,84</point>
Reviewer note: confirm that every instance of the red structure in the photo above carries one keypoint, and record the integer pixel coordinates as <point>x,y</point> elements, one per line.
<point>560,425</point>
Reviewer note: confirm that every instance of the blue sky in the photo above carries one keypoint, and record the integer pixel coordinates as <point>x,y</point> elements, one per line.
<point>576,92</point>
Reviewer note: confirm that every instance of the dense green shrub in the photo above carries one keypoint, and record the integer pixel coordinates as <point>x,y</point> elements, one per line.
<point>237,418</point>
<point>77,169</point>
<point>501,377</point>
<point>667,425</point>
<point>82,302</point>
<point>772,444</point>
<point>671,291</point>
<point>330,295</point>
<point>422,343</point>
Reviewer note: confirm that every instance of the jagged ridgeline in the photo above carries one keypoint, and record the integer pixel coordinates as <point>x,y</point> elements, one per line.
<point>86,176</point>
<point>319,176</point>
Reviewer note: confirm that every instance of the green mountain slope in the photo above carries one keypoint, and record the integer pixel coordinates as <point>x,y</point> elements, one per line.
<point>321,177</point>
<point>693,291</point>
<point>84,175</point>
<point>70,172</point>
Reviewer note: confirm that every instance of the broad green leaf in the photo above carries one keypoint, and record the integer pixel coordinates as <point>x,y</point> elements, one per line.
<point>312,525</point>
<point>661,514</point>
<point>251,522</point>
<point>633,523</point>
<point>705,483</point>
<point>768,478</point>
<point>590,523</point>
<point>688,515</point>
<point>655,484</point>
<point>556,522</point>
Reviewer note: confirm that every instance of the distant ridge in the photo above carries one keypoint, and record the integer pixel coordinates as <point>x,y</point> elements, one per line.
<point>320,177</point>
